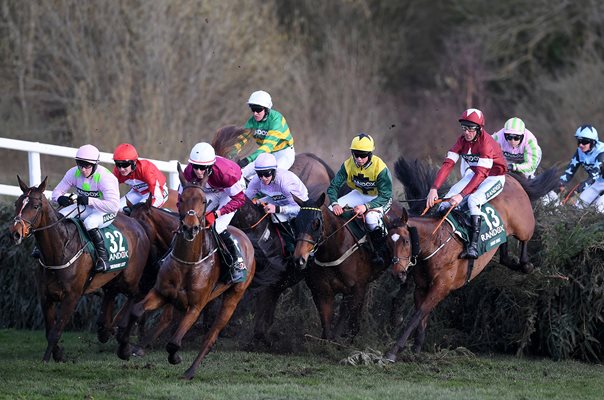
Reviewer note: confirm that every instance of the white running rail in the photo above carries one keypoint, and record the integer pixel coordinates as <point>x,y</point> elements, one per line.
<point>34,149</point>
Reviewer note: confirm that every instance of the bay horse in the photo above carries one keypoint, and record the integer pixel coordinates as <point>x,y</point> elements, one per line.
<point>67,272</point>
<point>189,278</point>
<point>439,271</point>
<point>340,264</point>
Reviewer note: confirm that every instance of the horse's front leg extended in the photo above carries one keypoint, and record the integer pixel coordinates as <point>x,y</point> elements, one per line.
<point>152,301</point>
<point>186,323</point>
<point>103,321</point>
<point>266,305</point>
<point>54,333</point>
<point>229,304</point>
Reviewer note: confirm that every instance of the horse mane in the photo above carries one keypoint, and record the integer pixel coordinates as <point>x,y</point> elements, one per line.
<point>540,185</point>
<point>417,178</point>
<point>225,138</point>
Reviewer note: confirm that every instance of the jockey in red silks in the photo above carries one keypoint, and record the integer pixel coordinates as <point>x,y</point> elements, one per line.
<point>482,180</point>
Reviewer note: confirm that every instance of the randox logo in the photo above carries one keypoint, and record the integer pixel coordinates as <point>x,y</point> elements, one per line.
<point>492,191</point>
<point>471,159</point>
<point>260,133</point>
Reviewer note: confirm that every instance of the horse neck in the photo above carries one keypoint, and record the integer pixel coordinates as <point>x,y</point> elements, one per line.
<point>429,242</point>
<point>55,240</point>
<point>194,250</point>
<point>338,238</point>
<point>164,224</point>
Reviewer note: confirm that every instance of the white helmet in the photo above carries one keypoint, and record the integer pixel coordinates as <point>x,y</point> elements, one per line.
<point>202,154</point>
<point>587,132</point>
<point>261,98</point>
<point>88,153</point>
<point>265,161</point>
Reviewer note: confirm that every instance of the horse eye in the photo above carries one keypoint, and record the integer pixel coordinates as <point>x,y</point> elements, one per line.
<point>316,224</point>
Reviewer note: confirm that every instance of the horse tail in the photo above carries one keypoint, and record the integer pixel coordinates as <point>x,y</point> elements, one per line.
<point>225,138</point>
<point>330,171</point>
<point>417,178</point>
<point>541,184</point>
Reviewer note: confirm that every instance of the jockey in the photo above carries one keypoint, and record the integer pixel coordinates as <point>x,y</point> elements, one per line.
<point>98,198</point>
<point>520,147</point>
<point>271,132</point>
<point>371,196</point>
<point>589,154</point>
<point>142,176</point>
<point>224,192</point>
<point>482,181</point>
<point>276,188</point>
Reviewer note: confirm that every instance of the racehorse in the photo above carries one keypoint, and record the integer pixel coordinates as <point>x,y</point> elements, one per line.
<point>274,272</point>
<point>341,264</point>
<point>439,271</point>
<point>67,272</point>
<point>189,278</point>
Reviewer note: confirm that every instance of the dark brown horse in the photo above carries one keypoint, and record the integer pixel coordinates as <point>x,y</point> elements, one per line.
<point>340,264</point>
<point>189,278</point>
<point>67,273</point>
<point>439,271</point>
<point>275,273</point>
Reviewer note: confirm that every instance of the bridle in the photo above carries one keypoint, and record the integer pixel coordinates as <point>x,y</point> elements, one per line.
<point>319,241</point>
<point>196,229</point>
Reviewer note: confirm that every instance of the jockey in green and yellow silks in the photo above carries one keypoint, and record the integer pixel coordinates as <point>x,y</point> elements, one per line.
<point>371,195</point>
<point>270,131</point>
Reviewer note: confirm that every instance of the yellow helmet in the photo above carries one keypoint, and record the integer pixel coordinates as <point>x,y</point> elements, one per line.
<point>362,142</point>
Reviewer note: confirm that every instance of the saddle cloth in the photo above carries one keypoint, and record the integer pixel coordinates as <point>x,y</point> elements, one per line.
<point>492,232</point>
<point>115,243</point>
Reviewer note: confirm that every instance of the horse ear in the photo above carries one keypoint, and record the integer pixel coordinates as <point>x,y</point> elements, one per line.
<point>22,184</point>
<point>299,201</point>
<point>404,216</point>
<point>149,202</point>
<point>321,200</point>
<point>42,186</point>
<point>181,175</point>
<point>129,203</point>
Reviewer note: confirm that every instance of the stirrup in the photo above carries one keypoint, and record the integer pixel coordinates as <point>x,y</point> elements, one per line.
<point>104,266</point>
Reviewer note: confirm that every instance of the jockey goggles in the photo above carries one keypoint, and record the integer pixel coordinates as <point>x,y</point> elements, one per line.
<point>360,154</point>
<point>84,164</point>
<point>264,173</point>
<point>201,167</point>
<point>469,127</point>
<point>256,108</point>
<point>123,164</point>
<point>510,136</point>
<point>583,141</point>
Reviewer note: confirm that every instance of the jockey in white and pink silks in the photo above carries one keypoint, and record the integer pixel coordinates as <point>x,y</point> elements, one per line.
<point>98,198</point>
<point>519,146</point>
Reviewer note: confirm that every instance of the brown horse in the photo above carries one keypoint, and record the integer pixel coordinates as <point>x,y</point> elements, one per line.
<point>275,273</point>
<point>67,272</point>
<point>189,278</point>
<point>340,264</point>
<point>439,271</point>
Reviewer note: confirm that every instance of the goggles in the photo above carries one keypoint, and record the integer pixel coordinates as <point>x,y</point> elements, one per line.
<point>510,136</point>
<point>469,128</point>
<point>583,141</point>
<point>256,108</point>
<point>123,164</point>
<point>264,173</point>
<point>84,164</point>
<point>360,154</point>
<point>201,167</point>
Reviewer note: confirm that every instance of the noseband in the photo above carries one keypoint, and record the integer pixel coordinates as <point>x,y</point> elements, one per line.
<point>26,223</point>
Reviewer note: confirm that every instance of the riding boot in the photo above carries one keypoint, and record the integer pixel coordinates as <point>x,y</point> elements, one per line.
<point>237,268</point>
<point>472,250</point>
<point>380,249</point>
<point>35,253</point>
<point>102,260</point>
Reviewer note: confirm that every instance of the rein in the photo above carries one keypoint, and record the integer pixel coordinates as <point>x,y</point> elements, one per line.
<point>318,244</point>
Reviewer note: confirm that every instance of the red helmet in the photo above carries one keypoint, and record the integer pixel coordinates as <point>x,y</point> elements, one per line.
<point>473,115</point>
<point>125,151</point>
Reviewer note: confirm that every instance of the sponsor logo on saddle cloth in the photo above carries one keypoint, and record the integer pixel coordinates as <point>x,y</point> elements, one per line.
<point>492,233</point>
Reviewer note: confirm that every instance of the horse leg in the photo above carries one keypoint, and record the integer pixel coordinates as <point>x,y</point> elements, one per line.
<point>525,265</point>
<point>229,304</point>
<point>49,309</point>
<point>103,322</point>
<point>152,301</point>
<point>437,292</point>
<point>266,305</point>
<point>191,315</point>
<point>420,335</point>
<point>396,313</point>
<point>323,297</point>
<point>54,334</point>
<point>166,317</point>
<point>351,310</point>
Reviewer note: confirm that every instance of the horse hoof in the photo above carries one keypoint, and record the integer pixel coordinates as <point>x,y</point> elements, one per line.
<point>174,359</point>
<point>124,352</point>
<point>57,354</point>
<point>138,351</point>
<point>527,268</point>
<point>391,357</point>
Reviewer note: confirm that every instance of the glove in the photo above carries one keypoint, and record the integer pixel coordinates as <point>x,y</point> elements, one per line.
<point>64,201</point>
<point>211,218</point>
<point>83,200</point>
<point>243,162</point>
